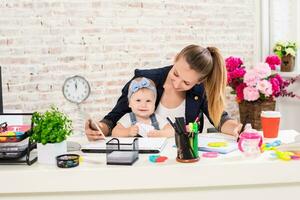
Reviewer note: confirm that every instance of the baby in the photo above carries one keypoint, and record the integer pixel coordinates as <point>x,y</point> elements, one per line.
<point>142,121</point>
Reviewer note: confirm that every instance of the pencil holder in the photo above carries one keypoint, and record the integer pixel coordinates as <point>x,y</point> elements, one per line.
<point>187,147</point>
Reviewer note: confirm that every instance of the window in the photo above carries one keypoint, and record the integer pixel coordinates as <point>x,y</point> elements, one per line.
<point>280,21</point>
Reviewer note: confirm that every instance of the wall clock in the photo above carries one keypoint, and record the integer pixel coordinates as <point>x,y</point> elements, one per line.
<point>76,89</point>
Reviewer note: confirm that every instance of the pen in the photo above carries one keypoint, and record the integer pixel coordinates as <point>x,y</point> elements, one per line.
<point>172,124</point>
<point>98,128</point>
<point>242,129</point>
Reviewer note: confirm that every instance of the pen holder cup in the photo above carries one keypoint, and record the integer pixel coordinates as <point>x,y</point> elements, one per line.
<point>187,147</point>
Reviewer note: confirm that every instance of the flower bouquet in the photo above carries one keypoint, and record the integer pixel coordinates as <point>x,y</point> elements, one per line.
<point>255,88</point>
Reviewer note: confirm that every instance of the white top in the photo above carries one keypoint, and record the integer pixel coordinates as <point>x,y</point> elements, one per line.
<point>143,128</point>
<point>164,112</point>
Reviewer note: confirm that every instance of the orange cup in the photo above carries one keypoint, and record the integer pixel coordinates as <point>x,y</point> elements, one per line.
<point>270,121</point>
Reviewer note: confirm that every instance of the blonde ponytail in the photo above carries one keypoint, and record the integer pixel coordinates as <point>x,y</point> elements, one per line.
<point>215,85</point>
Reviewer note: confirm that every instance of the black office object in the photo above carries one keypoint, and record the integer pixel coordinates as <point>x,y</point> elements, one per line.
<point>121,153</point>
<point>243,127</point>
<point>16,149</point>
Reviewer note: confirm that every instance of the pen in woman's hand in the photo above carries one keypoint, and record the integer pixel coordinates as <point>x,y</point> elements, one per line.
<point>240,130</point>
<point>97,127</point>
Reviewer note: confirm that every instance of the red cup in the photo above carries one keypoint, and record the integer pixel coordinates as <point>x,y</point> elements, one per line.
<point>270,121</point>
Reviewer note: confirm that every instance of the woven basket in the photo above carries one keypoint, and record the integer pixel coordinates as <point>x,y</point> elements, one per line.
<point>250,112</point>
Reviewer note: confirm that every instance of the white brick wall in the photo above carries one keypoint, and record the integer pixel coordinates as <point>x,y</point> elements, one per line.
<point>43,42</point>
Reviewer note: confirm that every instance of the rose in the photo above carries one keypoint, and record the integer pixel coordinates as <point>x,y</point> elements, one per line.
<point>273,61</point>
<point>251,93</point>
<point>232,63</point>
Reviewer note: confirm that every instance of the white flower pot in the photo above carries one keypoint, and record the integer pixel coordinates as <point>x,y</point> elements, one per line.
<point>47,153</point>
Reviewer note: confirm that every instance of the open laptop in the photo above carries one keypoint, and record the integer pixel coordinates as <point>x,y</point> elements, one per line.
<point>146,145</point>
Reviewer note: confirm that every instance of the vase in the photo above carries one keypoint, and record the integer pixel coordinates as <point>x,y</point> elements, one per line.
<point>250,112</point>
<point>287,63</point>
<point>47,153</point>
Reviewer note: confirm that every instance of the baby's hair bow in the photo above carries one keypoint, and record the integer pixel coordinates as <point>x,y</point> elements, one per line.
<point>136,85</point>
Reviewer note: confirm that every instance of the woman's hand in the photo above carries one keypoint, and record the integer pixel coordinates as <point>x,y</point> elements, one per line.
<point>92,133</point>
<point>236,131</point>
<point>231,127</point>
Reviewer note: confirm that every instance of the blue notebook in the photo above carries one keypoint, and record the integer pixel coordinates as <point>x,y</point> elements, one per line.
<point>205,138</point>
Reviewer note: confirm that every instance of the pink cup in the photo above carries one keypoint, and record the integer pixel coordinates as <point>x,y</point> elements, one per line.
<point>250,144</point>
<point>270,121</point>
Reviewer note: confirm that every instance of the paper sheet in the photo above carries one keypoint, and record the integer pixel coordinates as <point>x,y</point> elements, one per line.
<point>205,139</point>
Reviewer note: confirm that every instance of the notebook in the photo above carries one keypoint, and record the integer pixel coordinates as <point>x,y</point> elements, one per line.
<point>206,138</point>
<point>146,145</point>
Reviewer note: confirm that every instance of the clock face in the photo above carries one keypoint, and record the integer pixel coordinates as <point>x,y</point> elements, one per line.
<point>76,89</point>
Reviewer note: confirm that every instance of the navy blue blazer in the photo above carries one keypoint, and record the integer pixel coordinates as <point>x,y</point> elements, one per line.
<point>196,102</point>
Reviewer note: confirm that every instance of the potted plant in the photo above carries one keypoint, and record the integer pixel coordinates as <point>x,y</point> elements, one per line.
<point>287,53</point>
<point>256,88</point>
<point>50,131</point>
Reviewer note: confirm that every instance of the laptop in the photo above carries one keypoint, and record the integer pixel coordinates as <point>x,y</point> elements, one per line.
<point>146,145</point>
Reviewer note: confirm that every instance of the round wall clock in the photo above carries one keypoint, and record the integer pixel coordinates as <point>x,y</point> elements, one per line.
<point>76,89</point>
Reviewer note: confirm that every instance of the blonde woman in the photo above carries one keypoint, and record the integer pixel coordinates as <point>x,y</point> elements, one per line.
<point>193,85</point>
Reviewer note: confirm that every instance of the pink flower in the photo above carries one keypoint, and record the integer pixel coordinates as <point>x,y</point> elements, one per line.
<point>238,73</point>
<point>251,78</point>
<point>251,94</point>
<point>263,70</point>
<point>258,83</point>
<point>232,63</point>
<point>265,87</point>
<point>275,86</point>
<point>273,61</point>
<point>239,92</point>
<point>278,84</point>
<point>279,79</point>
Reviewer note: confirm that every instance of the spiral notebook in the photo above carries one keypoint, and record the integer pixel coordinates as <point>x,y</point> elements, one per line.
<point>206,138</point>
<point>146,145</point>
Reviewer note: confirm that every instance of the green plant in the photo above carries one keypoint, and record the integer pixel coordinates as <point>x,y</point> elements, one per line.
<point>285,48</point>
<point>51,127</point>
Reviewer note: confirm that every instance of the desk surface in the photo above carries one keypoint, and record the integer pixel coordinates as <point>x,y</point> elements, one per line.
<point>94,175</point>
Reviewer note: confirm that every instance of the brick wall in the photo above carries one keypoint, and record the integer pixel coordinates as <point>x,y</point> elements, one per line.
<point>44,42</point>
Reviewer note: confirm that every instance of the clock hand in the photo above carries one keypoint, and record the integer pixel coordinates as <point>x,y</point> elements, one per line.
<point>76,85</point>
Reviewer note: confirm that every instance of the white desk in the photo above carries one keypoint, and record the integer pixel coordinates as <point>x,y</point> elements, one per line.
<point>227,177</point>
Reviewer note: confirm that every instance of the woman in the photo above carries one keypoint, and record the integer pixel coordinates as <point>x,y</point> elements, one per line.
<point>194,84</point>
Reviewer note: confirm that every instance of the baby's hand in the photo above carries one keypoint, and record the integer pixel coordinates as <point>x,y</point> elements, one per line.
<point>154,133</point>
<point>133,130</point>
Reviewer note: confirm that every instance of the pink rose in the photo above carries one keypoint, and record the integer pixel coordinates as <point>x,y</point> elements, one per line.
<point>265,87</point>
<point>279,79</point>
<point>263,70</point>
<point>239,92</point>
<point>232,63</point>
<point>273,61</point>
<point>251,94</point>
<point>251,78</point>
<point>238,73</point>
<point>275,86</point>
